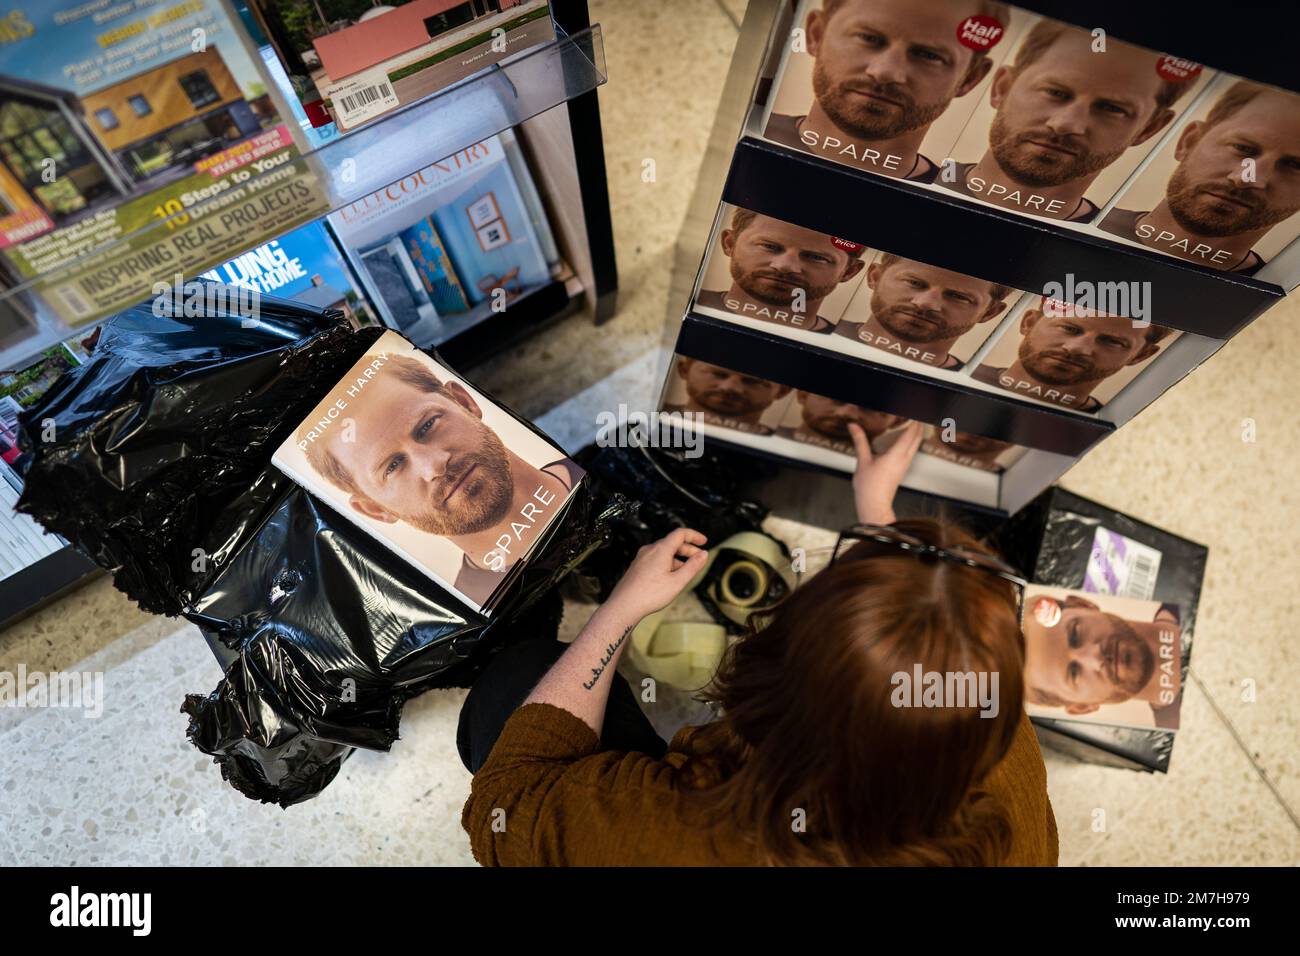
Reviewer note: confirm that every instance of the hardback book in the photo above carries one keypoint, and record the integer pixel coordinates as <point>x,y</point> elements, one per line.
<point>1071,355</point>
<point>921,313</point>
<point>451,237</point>
<point>725,398</point>
<point>1222,189</point>
<point>353,62</point>
<point>430,467</point>
<point>1097,658</point>
<point>120,116</point>
<point>774,272</point>
<point>1064,540</point>
<point>303,265</point>
<point>824,423</point>
<point>1066,119</point>
<point>969,450</point>
<point>883,87</point>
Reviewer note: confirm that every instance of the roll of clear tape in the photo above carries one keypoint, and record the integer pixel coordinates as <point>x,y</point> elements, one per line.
<point>685,653</point>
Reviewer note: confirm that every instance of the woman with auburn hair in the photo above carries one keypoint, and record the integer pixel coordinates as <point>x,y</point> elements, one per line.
<point>824,753</point>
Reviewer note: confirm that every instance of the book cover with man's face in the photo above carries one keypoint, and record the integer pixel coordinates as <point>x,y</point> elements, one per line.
<point>1066,120</point>
<point>725,397</point>
<point>418,458</point>
<point>923,314</point>
<point>1224,189</point>
<point>824,422</point>
<point>886,86</point>
<point>970,450</point>
<point>1101,659</point>
<point>771,271</point>
<point>1074,357</point>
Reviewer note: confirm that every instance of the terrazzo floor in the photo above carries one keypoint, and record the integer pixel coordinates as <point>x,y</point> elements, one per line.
<point>127,788</point>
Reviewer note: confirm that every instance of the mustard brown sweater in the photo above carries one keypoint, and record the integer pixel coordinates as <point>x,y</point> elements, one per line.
<point>567,802</point>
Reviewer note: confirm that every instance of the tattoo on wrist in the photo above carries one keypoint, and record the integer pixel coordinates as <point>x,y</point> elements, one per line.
<point>610,651</point>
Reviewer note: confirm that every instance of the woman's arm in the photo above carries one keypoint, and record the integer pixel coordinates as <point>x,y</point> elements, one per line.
<point>876,479</point>
<point>579,681</point>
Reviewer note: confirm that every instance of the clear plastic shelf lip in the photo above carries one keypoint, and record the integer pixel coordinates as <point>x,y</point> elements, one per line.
<point>376,154</point>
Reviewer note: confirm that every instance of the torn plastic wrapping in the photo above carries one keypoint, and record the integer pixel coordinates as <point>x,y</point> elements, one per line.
<point>671,490</point>
<point>153,457</point>
<point>344,632</point>
<point>158,467</point>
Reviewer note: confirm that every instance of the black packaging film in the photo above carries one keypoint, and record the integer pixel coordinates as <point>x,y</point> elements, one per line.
<point>154,459</point>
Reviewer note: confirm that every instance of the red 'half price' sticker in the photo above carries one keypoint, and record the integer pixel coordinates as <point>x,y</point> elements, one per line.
<point>1047,612</point>
<point>852,248</point>
<point>980,32</point>
<point>1177,70</point>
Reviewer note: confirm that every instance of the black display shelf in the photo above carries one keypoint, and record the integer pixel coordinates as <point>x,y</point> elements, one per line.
<point>885,388</point>
<point>25,591</point>
<point>908,503</point>
<point>1026,254</point>
<point>1254,39</point>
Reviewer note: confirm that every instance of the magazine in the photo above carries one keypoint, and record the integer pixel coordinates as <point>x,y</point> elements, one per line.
<point>452,239</point>
<point>432,469</point>
<point>304,266</point>
<point>123,115</point>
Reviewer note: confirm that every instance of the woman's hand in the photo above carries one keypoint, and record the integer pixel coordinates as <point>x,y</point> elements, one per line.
<point>876,478</point>
<point>657,575</point>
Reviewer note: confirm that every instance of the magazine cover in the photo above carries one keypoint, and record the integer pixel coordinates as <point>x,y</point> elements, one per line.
<point>361,60</point>
<point>1101,659</point>
<point>450,237</point>
<point>1066,120</point>
<point>26,385</point>
<point>121,115</point>
<point>1224,189</point>
<point>886,86</point>
<point>418,458</point>
<point>23,541</point>
<point>303,265</point>
<point>922,313</point>
<point>1071,356</point>
<point>970,451</point>
<point>725,397</point>
<point>770,270</point>
<point>824,422</point>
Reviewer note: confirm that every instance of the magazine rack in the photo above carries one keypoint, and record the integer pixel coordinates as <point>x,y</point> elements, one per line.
<point>565,144</point>
<point>743,170</point>
<point>546,94</point>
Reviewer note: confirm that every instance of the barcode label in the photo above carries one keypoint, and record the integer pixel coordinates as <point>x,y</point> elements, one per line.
<point>361,96</point>
<point>75,303</point>
<point>364,97</point>
<point>1121,566</point>
<point>1142,579</point>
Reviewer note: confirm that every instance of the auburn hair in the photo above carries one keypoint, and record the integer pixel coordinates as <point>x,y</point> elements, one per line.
<point>809,734</point>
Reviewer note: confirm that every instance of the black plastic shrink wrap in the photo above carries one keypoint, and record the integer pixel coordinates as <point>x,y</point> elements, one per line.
<point>158,467</point>
<point>671,491</point>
